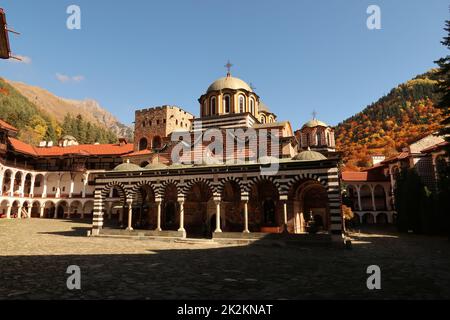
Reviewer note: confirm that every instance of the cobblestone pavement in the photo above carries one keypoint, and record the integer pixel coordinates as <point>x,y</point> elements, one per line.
<point>35,254</point>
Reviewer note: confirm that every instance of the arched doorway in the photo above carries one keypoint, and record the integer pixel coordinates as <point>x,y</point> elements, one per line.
<point>36,210</point>
<point>382,218</point>
<point>115,199</point>
<point>308,199</point>
<point>49,210</point>
<point>231,209</point>
<point>7,182</point>
<point>62,209</point>
<point>197,208</point>
<point>143,144</point>
<point>156,143</point>
<point>170,208</point>
<point>380,198</point>
<point>144,208</point>
<point>366,198</point>
<point>264,208</point>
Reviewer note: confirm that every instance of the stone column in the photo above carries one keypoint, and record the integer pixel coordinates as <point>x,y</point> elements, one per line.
<point>1,184</point>
<point>246,217</point>
<point>22,185</point>
<point>373,198</point>
<point>44,187</point>
<point>181,202</point>
<point>8,212</point>
<point>19,212</point>
<point>58,188</point>
<point>130,215</point>
<point>158,216</point>
<point>68,212</point>
<point>358,191</point>
<point>121,213</point>
<point>218,228</point>
<point>33,180</point>
<point>29,211</point>
<point>41,212</point>
<point>11,184</point>
<point>55,215</point>
<point>72,184</point>
<point>283,198</point>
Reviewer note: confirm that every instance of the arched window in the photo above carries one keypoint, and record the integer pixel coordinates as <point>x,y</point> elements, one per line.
<point>252,106</point>
<point>319,139</point>
<point>241,104</point>
<point>212,106</point>
<point>328,139</point>
<point>156,143</point>
<point>262,119</point>
<point>143,123</point>
<point>143,144</point>
<point>226,104</point>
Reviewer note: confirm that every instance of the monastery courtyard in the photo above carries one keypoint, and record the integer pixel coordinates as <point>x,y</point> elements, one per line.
<point>35,254</point>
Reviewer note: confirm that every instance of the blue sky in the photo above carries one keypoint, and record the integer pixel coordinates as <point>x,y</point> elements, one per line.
<point>300,55</point>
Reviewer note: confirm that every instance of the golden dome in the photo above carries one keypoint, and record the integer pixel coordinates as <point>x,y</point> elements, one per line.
<point>229,82</point>
<point>315,123</point>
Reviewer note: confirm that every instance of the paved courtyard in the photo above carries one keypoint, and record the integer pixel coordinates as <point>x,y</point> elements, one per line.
<point>35,254</point>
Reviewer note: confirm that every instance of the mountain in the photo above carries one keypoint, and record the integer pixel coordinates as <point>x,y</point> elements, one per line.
<point>404,115</point>
<point>89,109</point>
<point>49,118</point>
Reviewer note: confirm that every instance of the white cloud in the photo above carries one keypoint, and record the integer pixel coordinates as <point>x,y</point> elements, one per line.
<point>78,78</point>
<point>65,78</point>
<point>23,59</point>
<point>62,78</point>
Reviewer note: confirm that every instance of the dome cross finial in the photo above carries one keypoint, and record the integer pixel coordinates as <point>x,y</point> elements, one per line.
<point>314,114</point>
<point>228,66</point>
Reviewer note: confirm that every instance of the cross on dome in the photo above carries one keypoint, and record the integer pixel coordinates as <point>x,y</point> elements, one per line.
<point>228,66</point>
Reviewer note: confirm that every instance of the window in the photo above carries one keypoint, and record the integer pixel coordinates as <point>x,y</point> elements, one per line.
<point>241,104</point>
<point>143,144</point>
<point>157,122</point>
<point>226,104</point>
<point>156,143</point>
<point>252,106</point>
<point>328,139</point>
<point>150,123</point>
<point>262,119</point>
<point>319,139</point>
<point>143,123</point>
<point>212,106</point>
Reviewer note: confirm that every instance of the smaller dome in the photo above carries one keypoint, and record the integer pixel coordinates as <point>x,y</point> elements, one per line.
<point>68,137</point>
<point>154,166</point>
<point>263,107</point>
<point>309,156</point>
<point>315,123</point>
<point>268,160</point>
<point>127,166</point>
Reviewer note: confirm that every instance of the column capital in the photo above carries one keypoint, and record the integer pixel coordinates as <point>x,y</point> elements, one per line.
<point>283,197</point>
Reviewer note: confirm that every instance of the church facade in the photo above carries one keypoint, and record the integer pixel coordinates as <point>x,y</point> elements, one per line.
<point>233,172</point>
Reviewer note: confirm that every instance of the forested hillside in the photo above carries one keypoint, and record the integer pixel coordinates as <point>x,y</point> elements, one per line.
<point>35,124</point>
<point>404,115</point>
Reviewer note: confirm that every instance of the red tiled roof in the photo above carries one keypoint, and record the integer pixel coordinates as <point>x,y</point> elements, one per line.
<point>7,126</point>
<point>83,149</point>
<point>435,147</point>
<point>140,153</point>
<point>363,176</point>
<point>402,155</point>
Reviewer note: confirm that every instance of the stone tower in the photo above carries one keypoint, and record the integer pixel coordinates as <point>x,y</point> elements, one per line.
<point>155,124</point>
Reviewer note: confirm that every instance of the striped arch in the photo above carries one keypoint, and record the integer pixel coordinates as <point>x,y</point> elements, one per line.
<point>163,186</point>
<point>304,176</point>
<point>259,179</point>
<point>141,184</point>
<point>222,183</point>
<point>191,182</point>
<point>123,192</point>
